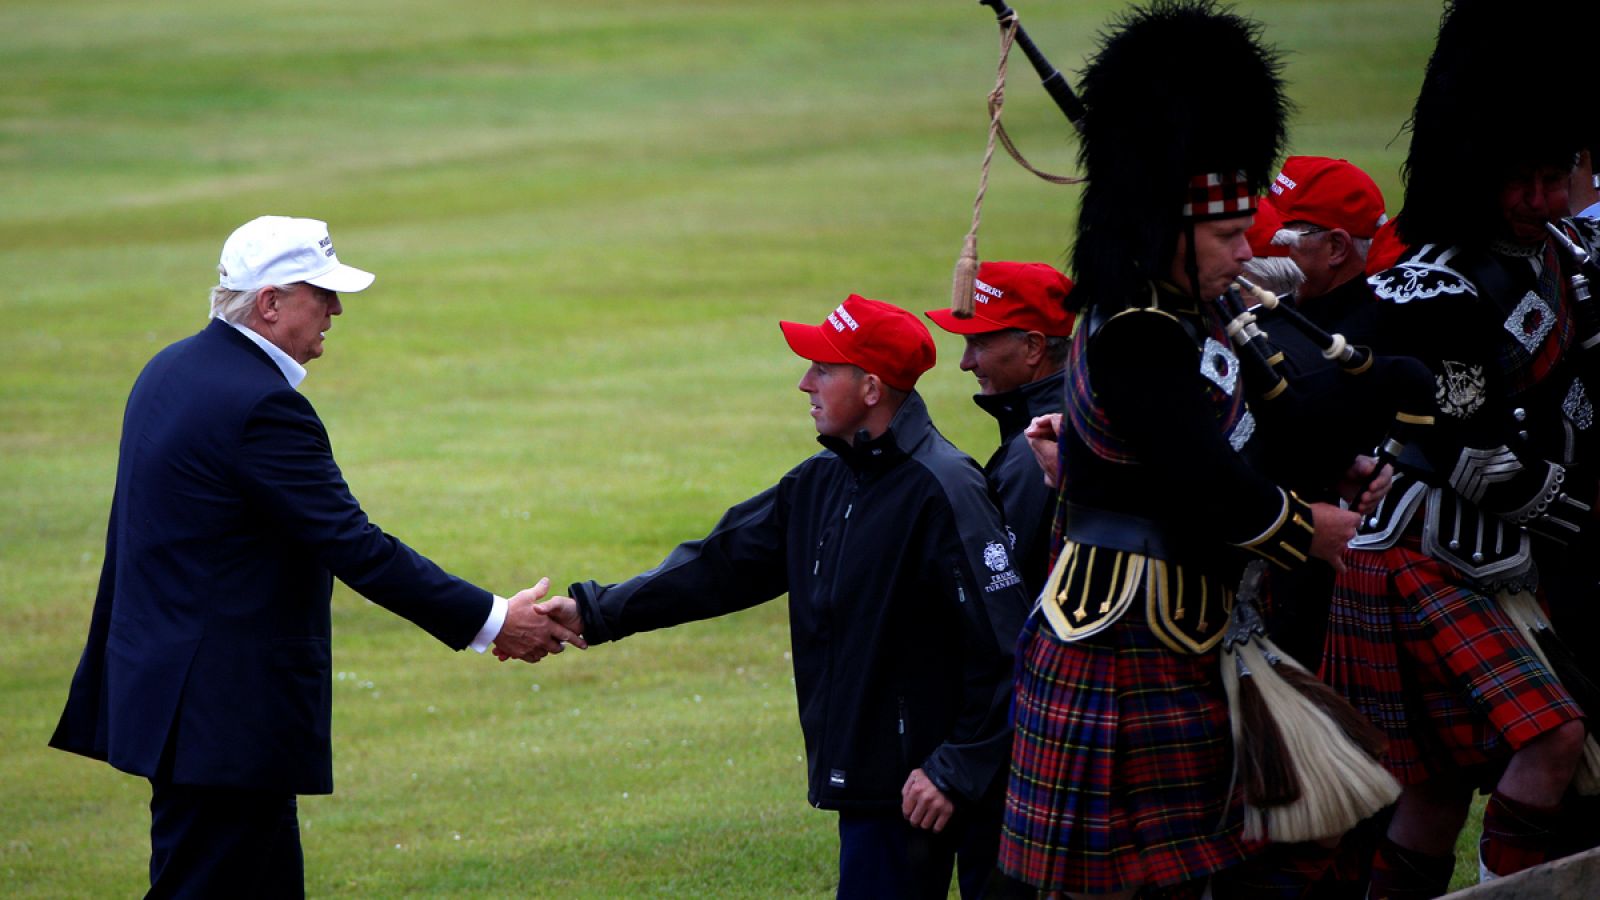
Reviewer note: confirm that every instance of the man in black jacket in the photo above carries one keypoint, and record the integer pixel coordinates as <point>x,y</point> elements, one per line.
<point>1016,343</point>
<point>904,606</point>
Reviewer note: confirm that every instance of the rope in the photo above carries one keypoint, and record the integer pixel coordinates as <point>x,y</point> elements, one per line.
<point>995,101</point>
<point>967,263</point>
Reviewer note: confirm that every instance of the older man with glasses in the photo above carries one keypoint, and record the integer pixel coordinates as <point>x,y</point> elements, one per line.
<point>1331,210</point>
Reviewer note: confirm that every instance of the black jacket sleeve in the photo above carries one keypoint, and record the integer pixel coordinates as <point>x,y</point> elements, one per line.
<point>968,541</point>
<point>741,563</point>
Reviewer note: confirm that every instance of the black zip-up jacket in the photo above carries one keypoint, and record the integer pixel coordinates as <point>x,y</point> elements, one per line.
<point>1014,474</point>
<point>904,609</point>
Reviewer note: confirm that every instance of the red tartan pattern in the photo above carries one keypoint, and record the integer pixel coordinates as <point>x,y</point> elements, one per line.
<point>1435,664</point>
<point>1121,765</point>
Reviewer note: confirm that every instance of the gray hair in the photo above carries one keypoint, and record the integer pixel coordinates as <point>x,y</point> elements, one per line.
<point>1277,274</point>
<point>1056,347</point>
<point>235,306</point>
<point>1288,237</point>
<point>1360,246</point>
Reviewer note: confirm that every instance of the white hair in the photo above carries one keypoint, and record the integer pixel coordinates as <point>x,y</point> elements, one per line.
<point>235,306</point>
<point>1360,246</point>
<point>1288,237</point>
<point>1277,274</point>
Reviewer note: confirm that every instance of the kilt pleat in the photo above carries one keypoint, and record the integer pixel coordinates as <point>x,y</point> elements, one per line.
<point>1121,767</point>
<point>1434,662</point>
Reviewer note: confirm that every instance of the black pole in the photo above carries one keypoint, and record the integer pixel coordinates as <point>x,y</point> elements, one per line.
<point>1052,79</point>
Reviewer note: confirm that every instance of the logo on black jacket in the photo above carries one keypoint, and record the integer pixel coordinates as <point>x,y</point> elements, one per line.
<point>994,556</point>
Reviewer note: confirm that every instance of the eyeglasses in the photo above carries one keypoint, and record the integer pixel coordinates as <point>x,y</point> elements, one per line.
<point>1306,230</point>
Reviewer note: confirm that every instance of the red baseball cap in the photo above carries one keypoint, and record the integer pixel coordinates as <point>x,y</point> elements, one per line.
<point>1328,193</point>
<point>881,338</point>
<point>1030,296</point>
<point>1266,226</point>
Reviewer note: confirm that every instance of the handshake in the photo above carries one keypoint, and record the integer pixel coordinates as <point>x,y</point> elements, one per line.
<point>534,629</point>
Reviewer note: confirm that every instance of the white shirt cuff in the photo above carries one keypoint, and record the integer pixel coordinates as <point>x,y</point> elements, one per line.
<point>491,626</point>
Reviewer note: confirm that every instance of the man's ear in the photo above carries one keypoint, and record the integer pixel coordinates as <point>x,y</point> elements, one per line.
<point>1035,351</point>
<point>1340,244</point>
<point>266,305</point>
<point>871,389</point>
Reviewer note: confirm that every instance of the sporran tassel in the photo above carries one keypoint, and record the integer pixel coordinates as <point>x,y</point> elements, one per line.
<point>1265,765</point>
<point>1325,744</point>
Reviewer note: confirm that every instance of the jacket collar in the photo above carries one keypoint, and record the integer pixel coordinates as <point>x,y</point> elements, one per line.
<point>217,329</point>
<point>1014,409</point>
<point>1166,296</point>
<point>293,372</point>
<point>909,428</point>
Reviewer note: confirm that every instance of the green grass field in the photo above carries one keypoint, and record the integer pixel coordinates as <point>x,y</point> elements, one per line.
<point>585,222</point>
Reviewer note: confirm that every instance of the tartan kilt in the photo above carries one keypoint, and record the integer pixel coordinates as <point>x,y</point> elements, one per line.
<point>1434,663</point>
<point>1121,765</point>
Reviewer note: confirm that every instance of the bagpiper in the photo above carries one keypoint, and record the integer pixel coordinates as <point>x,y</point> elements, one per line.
<point>1436,632</point>
<point>1122,762</point>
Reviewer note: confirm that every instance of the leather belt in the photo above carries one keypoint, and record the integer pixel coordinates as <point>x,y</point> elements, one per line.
<point>1119,531</point>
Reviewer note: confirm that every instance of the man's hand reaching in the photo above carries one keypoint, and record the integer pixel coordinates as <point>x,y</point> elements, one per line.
<point>531,632</point>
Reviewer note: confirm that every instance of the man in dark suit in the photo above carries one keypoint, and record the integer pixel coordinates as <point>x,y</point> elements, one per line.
<point>207,667</point>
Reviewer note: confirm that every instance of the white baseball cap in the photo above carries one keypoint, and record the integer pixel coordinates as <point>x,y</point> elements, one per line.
<point>279,250</point>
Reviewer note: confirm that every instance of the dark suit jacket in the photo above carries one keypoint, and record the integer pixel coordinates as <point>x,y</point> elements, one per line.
<point>208,660</point>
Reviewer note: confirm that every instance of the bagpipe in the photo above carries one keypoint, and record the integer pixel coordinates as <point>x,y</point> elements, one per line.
<point>1304,756</point>
<point>1582,263</point>
<point>1400,383</point>
<point>1050,78</point>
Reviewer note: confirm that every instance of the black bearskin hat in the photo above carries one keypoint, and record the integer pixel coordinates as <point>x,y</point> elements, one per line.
<point>1177,89</point>
<point>1503,92</point>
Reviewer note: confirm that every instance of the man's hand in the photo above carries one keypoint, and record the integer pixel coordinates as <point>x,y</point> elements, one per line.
<point>1361,488</point>
<point>564,612</point>
<point>1332,529</point>
<point>1044,439</point>
<point>924,805</point>
<point>530,633</point>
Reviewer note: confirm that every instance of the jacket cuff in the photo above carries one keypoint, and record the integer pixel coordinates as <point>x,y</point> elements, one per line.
<point>585,594</point>
<point>1286,543</point>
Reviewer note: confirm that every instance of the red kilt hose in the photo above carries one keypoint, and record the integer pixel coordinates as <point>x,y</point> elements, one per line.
<point>1435,664</point>
<point>1120,772</point>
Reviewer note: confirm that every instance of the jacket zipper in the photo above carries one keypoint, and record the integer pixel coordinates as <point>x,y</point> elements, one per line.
<point>816,570</point>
